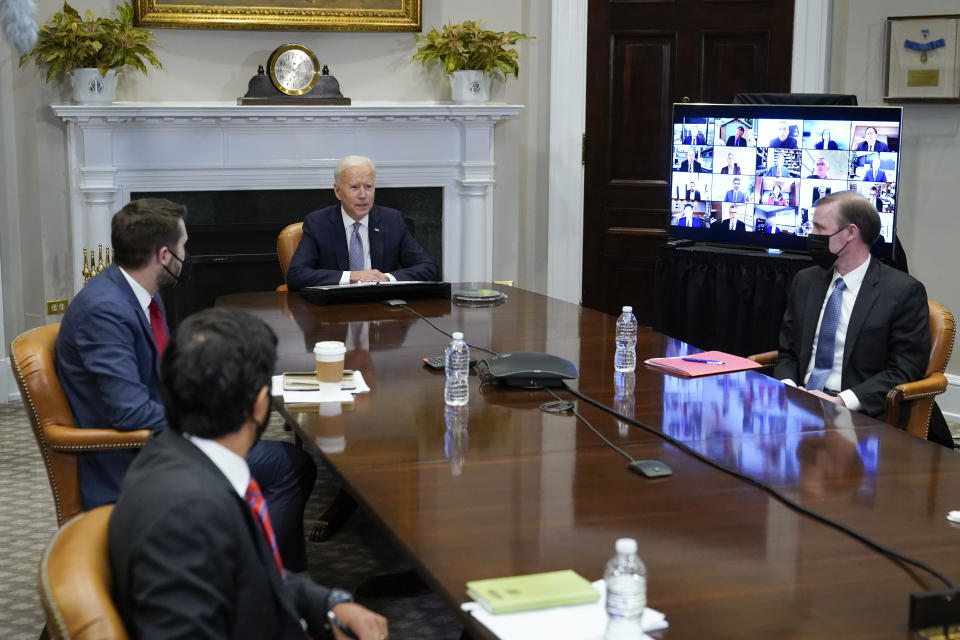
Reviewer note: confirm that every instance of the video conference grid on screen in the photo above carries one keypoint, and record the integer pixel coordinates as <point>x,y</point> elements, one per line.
<point>745,172</point>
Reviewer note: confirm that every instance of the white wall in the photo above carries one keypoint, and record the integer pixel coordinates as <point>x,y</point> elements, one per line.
<point>929,223</point>
<point>216,65</point>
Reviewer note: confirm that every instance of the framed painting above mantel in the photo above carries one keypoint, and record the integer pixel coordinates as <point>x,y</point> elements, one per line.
<point>281,15</point>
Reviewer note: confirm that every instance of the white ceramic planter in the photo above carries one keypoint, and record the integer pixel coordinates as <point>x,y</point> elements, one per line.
<point>89,87</point>
<point>470,87</point>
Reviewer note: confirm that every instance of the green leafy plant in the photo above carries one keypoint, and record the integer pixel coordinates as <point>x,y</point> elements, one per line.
<point>468,46</point>
<point>70,41</point>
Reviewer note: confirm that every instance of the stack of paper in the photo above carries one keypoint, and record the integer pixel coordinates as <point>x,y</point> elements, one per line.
<point>702,364</point>
<point>297,388</point>
<point>576,622</point>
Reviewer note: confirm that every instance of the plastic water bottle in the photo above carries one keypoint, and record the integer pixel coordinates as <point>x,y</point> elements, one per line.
<point>626,357</point>
<point>626,580</point>
<point>457,390</point>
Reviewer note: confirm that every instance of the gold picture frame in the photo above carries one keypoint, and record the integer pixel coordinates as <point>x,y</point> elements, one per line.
<point>922,58</point>
<point>280,15</point>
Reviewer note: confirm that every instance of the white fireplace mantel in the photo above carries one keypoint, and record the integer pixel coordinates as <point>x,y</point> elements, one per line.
<point>121,148</point>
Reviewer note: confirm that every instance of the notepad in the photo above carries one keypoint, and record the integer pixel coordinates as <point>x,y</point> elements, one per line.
<point>307,381</point>
<point>532,591</point>
<point>678,366</point>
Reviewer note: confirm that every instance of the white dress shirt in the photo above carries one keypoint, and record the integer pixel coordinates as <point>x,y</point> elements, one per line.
<point>364,232</point>
<point>230,464</point>
<point>143,296</point>
<point>848,298</point>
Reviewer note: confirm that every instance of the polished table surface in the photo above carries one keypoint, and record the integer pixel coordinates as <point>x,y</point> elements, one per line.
<point>521,491</point>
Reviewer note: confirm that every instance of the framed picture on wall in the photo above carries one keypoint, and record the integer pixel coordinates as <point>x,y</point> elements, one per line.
<point>298,15</point>
<point>922,59</point>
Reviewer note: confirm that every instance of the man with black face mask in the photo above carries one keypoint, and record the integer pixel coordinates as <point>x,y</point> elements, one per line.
<point>108,355</point>
<point>854,328</point>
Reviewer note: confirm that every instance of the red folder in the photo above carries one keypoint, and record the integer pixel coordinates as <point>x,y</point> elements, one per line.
<point>680,367</point>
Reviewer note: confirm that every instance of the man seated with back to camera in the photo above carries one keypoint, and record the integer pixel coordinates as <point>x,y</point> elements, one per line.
<point>357,241</point>
<point>108,355</point>
<point>191,545</point>
<point>853,328</point>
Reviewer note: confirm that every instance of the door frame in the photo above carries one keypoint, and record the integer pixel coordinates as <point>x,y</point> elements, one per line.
<point>812,22</point>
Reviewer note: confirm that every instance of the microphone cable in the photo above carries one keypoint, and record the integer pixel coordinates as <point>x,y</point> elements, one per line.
<point>769,489</point>
<point>429,322</point>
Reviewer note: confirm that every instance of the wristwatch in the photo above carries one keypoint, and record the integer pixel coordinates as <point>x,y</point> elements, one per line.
<point>336,597</point>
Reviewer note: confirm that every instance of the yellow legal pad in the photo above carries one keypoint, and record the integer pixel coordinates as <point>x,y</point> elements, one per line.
<point>533,591</point>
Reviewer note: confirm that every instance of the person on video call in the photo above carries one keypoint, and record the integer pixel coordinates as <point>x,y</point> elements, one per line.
<point>357,240</point>
<point>821,169</point>
<point>825,141</point>
<point>783,139</point>
<point>818,193</point>
<point>691,165</point>
<point>694,137</point>
<point>692,192</point>
<point>853,328</point>
<point>875,198</point>
<point>870,142</point>
<point>688,219</point>
<point>776,196</point>
<point>732,167</point>
<point>738,140</point>
<point>777,170</point>
<point>732,223</point>
<point>735,195</point>
<point>875,173</point>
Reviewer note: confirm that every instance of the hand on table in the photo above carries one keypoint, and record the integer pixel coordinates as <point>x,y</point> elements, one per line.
<point>826,396</point>
<point>368,275</point>
<point>365,624</point>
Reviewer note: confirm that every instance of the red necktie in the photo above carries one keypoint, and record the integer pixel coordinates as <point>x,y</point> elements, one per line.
<point>259,508</point>
<point>158,327</point>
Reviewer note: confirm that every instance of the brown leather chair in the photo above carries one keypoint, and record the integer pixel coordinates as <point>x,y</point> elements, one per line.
<point>75,580</point>
<point>287,243</point>
<point>60,441</point>
<point>915,397</point>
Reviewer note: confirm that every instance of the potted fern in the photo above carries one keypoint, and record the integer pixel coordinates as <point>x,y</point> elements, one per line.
<point>90,50</point>
<point>470,55</point>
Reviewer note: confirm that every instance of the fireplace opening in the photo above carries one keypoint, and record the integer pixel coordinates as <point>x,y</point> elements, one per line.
<point>233,236</point>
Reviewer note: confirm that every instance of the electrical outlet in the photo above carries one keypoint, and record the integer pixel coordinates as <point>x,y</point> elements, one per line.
<point>56,307</point>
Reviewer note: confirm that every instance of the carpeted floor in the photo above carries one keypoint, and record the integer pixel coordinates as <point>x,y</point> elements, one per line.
<point>27,519</point>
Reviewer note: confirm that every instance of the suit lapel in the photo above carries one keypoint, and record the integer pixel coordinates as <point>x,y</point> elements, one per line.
<point>338,234</point>
<point>113,272</point>
<point>812,313</point>
<point>868,295</point>
<point>376,239</point>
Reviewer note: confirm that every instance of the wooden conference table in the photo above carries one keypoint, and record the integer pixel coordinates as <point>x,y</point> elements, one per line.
<point>522,491</point>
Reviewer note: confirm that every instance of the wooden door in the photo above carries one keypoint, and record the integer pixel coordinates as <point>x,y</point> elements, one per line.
<point>641,58</point>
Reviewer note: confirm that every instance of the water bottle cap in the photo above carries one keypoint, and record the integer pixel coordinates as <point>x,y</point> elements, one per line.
<point>627,309</point>
<point>458,335</point>
<point>626,546</point>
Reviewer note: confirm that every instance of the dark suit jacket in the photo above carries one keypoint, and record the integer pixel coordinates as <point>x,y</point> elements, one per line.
<point>734,196</point>
<point>789,143</point>
<point>189,561</point>
<point>725,226</point>
<point>878,146</point>
<point>322,255</point>
<point>880,177</point>
<point>693,194</point>
<point>832,145</point>
<point>733,142</point>
<point>736,169</point>
<point>107,363</point>
<point>695,221</point>
<point>685,166</point>
<point>888,336</point>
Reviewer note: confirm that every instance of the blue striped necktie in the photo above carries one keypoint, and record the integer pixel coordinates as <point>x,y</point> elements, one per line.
<point>827,342</point>
<point>356,249</point>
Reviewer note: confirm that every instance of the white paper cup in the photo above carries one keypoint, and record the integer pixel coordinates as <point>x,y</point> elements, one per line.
<point>329,357</point>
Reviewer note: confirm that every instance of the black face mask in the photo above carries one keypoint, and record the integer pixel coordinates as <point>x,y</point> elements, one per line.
<point>818,244</point>
<point>266,419</point>
<point>184,274</point>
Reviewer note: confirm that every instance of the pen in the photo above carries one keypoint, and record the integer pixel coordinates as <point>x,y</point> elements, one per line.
<point>702,361</point>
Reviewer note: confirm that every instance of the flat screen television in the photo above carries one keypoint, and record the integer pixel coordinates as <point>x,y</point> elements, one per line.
<point>747,174</point>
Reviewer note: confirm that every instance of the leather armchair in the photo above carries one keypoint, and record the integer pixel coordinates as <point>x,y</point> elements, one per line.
<point>75,580</point>
<point>60,441</point>
<point>916,397</point>
<point>287,243</point>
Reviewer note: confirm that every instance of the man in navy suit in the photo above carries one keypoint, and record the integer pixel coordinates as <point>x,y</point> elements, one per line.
<point>191,548</point>
<point>875,173</point>
<point>881,334</point>
<point>870,142</point>
<point>108,354</point>
<point>735,195</point>
<point>783,139</point>
<point>357,241</point>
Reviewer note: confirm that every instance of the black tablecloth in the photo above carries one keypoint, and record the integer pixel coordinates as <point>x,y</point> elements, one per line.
<point>721,298</point>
